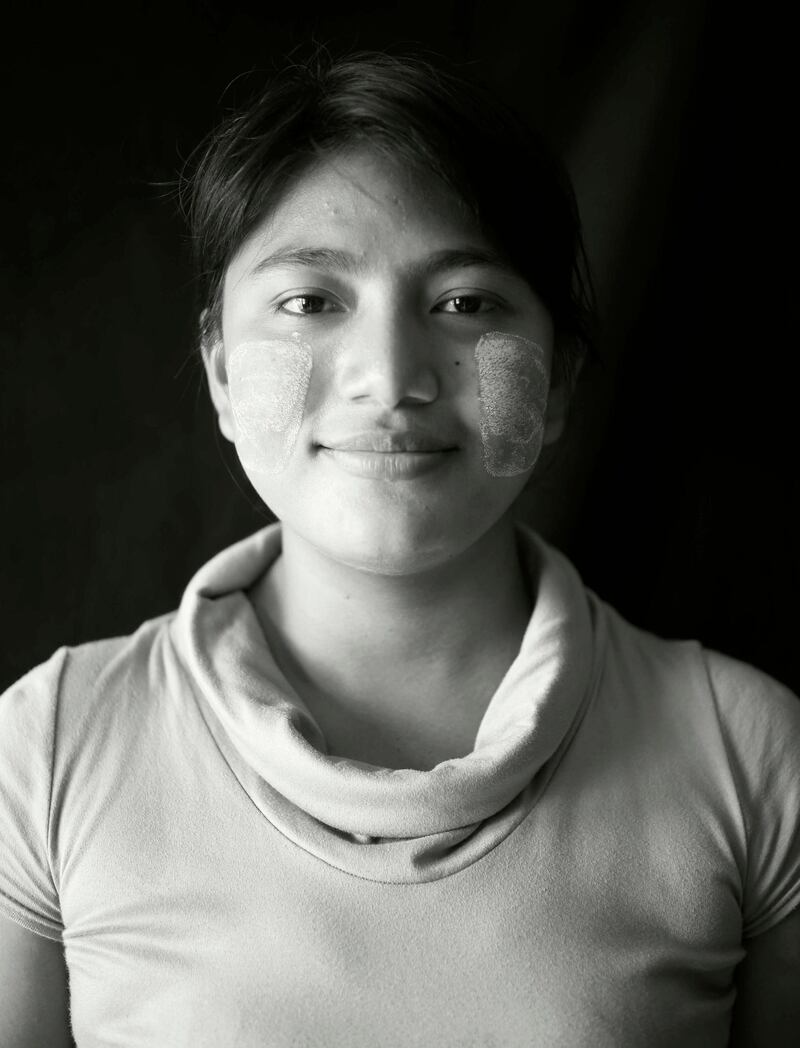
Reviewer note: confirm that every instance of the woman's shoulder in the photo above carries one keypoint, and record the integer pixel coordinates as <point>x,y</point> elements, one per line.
<point>760,721</point>
<point>735,685</point>
<point>726,735</point>
<point>760,724</point>
<point>746,692</point>
<point>697,690</point>
<point>69,690</point>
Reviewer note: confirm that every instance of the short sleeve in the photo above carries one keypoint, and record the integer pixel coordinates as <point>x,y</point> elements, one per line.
<point>760,720</point>
<point>28,893</point>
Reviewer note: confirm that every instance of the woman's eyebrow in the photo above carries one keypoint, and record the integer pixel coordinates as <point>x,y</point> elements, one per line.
<point>462,258</point>
<point>316,257</point>
<point>346,262</point>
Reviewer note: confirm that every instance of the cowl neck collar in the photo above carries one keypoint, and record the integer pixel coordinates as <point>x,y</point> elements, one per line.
<point>381,823</point>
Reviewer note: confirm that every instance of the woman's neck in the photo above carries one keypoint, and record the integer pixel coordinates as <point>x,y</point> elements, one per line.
<point>423,652</point>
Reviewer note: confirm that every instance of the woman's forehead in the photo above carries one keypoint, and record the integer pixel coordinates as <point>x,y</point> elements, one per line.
<point>361,203</point>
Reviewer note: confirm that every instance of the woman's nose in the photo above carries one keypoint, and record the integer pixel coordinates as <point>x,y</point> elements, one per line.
<point>388,360</point>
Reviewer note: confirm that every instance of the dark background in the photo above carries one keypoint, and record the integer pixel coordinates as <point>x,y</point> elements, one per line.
<point>674,492</point>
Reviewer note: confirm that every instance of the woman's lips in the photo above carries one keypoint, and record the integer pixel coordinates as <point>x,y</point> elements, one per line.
<point>387,465</point>
<point>387,441</point>
<point>387,453</point>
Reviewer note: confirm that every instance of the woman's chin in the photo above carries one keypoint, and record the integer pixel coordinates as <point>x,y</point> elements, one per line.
<point>397,532</point>
<point>396,562</point>
<point>391,551</point>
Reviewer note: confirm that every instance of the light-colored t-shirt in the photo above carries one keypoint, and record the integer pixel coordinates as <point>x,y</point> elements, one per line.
<point>584,877</point>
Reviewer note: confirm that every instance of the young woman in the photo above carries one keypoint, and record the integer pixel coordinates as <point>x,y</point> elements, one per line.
<point>391,776</point>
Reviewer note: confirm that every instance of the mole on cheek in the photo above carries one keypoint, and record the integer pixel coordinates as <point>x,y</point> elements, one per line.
<point>267,385</point>
<point>513,381</point>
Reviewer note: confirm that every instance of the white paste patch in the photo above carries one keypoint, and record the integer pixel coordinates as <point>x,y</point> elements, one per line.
<point>267,384</point>
<point>513,381</point>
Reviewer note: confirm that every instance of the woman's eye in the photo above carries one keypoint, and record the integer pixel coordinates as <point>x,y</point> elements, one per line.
<point>465,304</point>
<point>305,305</point>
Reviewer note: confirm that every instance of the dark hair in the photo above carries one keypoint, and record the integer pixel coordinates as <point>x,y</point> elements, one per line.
<point>429,118</point>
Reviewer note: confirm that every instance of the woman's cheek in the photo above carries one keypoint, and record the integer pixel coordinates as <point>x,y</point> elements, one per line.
<point>513,382</point>
<point>267,385</point>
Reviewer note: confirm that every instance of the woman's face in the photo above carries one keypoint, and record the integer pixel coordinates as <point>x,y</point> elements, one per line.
<point>383,375</point>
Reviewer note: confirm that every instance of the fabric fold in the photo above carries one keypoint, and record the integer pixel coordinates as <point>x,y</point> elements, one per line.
<point>331,805</point>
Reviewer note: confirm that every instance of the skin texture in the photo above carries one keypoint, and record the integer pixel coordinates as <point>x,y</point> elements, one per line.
<point>268,382</point>
<point>513,380</point>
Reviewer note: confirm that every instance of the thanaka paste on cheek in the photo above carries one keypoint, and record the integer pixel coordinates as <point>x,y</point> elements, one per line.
<point>267,385</point>
<point>513,381</point>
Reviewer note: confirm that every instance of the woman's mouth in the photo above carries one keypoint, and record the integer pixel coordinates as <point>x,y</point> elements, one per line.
<point>387,455</point>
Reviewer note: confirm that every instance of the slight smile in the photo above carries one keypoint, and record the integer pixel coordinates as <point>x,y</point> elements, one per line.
<point>387,465</point>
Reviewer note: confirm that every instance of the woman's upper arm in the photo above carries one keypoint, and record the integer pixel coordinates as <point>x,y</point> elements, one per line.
<point>767,1008</point>
<point>34,998</point>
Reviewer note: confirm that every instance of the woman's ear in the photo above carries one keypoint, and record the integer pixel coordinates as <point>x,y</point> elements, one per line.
<point>213,352</point>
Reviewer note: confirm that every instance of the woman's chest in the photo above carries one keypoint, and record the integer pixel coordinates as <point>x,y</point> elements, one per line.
<point>224,932</point>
